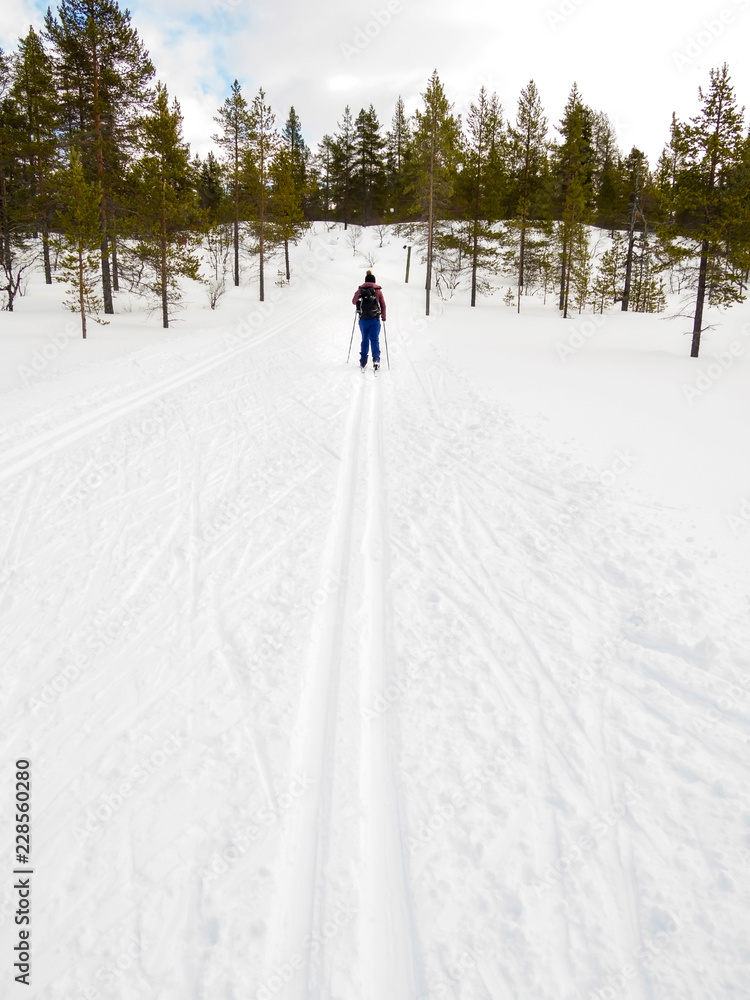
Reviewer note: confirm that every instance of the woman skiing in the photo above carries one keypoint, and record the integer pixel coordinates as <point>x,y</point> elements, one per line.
<point>370,304</point>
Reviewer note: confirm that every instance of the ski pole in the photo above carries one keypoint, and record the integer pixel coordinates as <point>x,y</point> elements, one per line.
<point>351,339</point>
<point>385,335</point>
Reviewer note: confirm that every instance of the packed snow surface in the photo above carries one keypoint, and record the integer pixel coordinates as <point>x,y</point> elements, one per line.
<point>356,688</point>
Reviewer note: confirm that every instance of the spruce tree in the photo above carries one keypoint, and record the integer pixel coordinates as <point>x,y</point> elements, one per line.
<point>234,142</point>
<point>637,170</point>
<point>398,148</point>
<point>710,200</point>
<point>18,253</point>
<point>574,161</point>
<point>528,152</point>
<point>103,74</point>
<point>322,179</point>
<point>368,174</point>
<point>287,215</point>
<point>78,219</point>
<point>165,215</point>
<point>9,132</point>
<point>480,184</point>
<point>34,94</point>
<point>292,198</point>
<point>437,140</point>
<point>342,167</point>
<point>291,136</point>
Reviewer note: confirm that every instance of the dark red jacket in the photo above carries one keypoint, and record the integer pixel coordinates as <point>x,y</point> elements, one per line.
<point>378,294</point>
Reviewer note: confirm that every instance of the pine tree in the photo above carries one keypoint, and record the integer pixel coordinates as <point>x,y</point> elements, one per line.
<point>78,219</point>
<point>528,152</point>
<point>234,141</point>
<point>574,165</point>
<point>581,268</point>
<point>322,179</point>
<point>710,200</point>
<point>291,136</point>
<point>209,185</point>
<point>17,252</point>
<point>291,198</point>
<point>264,141</point>
<point>103,74</point>
<point>637,170</point>
<point>9,132</point>
<point>368,175</point>
<point>287,215</point>
<point>342,167</point>
<point>437,141</point>
<point>34,94</point>
<point>398,150</point>
<point>165,213</point>
<point>480,183</point>
<point>611,275</point>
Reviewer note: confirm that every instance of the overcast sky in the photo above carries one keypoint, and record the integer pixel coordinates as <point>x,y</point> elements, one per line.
<point>637,61</point>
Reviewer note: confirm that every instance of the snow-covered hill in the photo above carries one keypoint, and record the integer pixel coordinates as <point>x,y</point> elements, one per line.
<point>428,685</point>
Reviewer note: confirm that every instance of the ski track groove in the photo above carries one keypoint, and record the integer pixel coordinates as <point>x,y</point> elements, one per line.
<point>386,926</point>
<point>306,833</point>
<point>15,460</point>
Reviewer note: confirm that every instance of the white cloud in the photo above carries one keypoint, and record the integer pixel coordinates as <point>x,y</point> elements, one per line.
<point>631,60</point>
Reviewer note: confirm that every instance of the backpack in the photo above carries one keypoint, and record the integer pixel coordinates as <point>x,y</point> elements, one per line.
<point>368,305</point>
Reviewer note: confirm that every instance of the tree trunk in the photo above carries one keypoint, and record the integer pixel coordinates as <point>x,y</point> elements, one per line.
<point>699,300</point>
<point>474,255</point>
<point>428,280</point>
<point>106,276</point>
<point>262,248</point>
<point>236,228</point>
<point>81,296</point>
<point>563,271</point>
<point>628,271</point>
<point>45,253</point>
<point>4,221</point>
<point>521,262</point>
<point>286,259</point>
<point>115,269</point>
<point>164,296</point>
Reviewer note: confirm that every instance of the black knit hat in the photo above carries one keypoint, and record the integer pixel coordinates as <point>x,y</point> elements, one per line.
<point>370,276</point>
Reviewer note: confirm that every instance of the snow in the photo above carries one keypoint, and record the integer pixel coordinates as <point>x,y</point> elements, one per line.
<point>434,684</point>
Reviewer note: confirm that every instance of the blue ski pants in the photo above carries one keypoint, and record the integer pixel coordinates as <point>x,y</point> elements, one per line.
<point>370,329</point>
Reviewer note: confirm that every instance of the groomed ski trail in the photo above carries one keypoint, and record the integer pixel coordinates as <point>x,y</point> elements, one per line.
<point>386,931</point>
<point>305,839</point>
